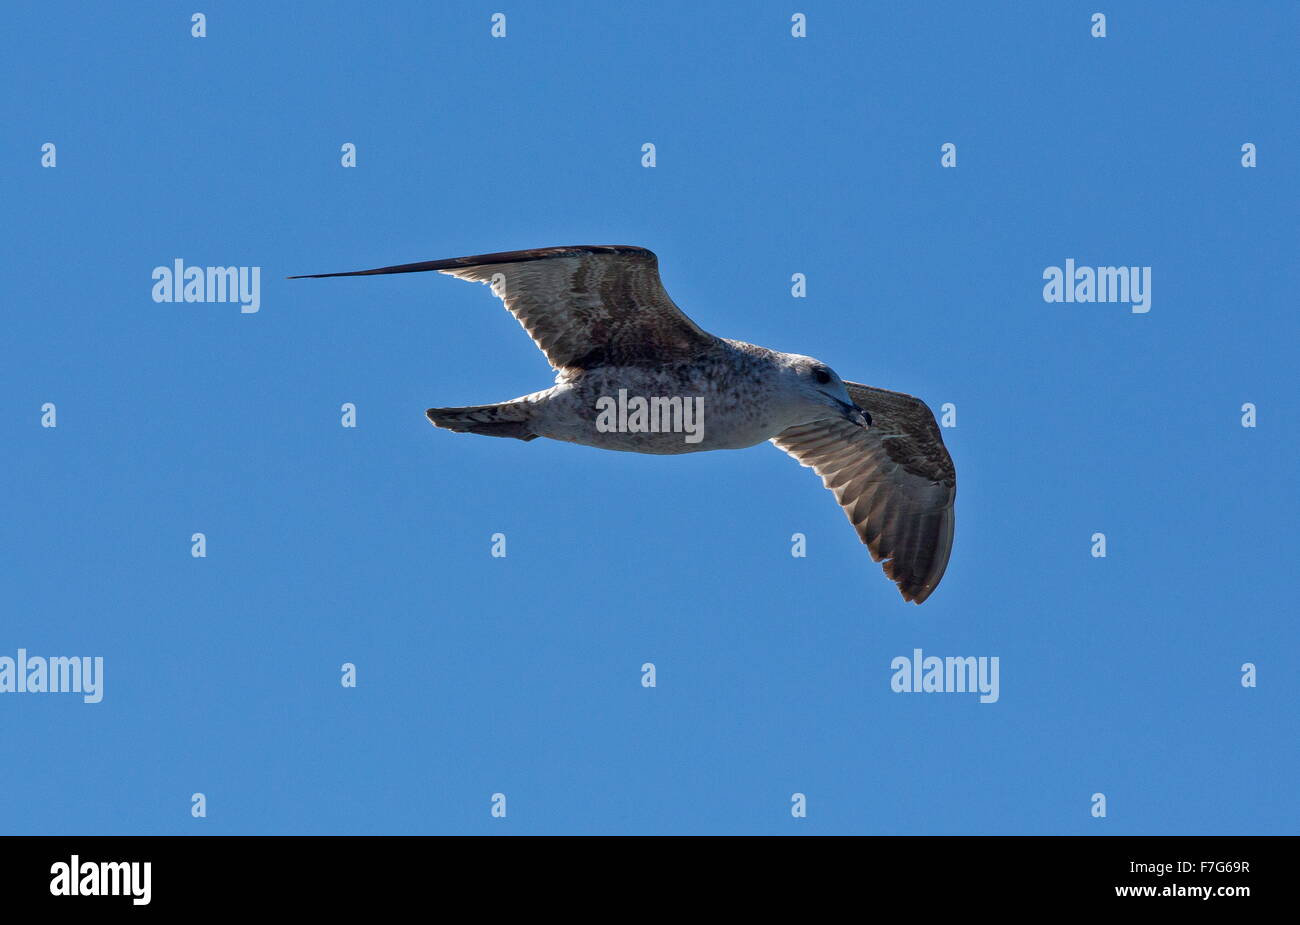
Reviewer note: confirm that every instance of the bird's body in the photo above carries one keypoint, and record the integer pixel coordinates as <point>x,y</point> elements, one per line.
<point>735,387</point>
<point>634,374</point>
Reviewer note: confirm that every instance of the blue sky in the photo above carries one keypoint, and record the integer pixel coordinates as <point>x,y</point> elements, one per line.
<point>521,675</point>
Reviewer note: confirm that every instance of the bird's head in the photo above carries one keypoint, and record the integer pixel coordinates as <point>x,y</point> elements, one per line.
<point>819,393</point>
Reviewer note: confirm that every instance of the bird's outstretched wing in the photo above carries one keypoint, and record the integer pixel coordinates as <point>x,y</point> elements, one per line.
<point>895,481</point>
<point>584,306</point>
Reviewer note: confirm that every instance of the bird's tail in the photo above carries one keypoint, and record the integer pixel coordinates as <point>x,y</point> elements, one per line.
<point>508,419</point>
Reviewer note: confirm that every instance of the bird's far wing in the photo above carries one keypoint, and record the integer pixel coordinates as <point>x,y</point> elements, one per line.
<point>584,306</point>
<point>895,481</point>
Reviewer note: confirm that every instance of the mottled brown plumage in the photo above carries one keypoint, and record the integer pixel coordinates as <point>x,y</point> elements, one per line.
<point>894,480</point>
<point>596,305</point>
<point>602,318</point>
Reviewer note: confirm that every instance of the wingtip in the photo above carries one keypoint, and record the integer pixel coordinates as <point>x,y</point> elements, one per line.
<point>914,595</point>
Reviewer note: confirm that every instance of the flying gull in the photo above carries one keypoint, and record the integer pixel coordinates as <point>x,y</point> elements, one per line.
<point>602,318</point>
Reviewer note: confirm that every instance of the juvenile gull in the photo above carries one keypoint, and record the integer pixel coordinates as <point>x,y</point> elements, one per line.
<point>602,318</point>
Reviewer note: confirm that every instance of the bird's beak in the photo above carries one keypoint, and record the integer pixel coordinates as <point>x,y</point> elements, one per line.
<point>854,415</point>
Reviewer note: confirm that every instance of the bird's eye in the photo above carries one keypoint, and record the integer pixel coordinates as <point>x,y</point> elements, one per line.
<point>821,376</point>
